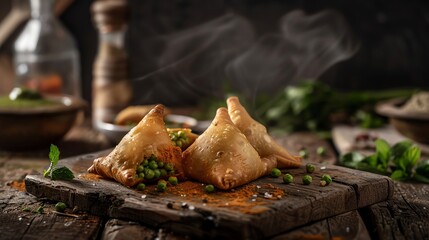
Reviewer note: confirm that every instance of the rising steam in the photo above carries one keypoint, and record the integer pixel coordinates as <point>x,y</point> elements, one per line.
<point>198,62</point>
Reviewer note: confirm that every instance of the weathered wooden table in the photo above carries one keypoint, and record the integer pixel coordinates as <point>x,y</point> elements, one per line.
<point>404,216</point>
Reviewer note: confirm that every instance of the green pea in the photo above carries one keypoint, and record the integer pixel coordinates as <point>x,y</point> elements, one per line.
<point>173,180</point>
<point>163,172</point>
<point>149,174</point>
<point>145,162</point>
<point>60,207</point>
<point>162,186</point>
<point>140,169</point>
<point>310,168</point>
<point>288,178</point>
<point>321,151</point>
<point>303,153</point>
<point>275,172</point>
<point>307,179</point>
<point>323,183</point>
<point>179,143</point>
<point>141,175</point>
<point>157,173</point>
<point>209,188</point>
<point>168,167</point>
<point>141,186</point>
<point>153,164</point>
<point>181,134</point>
<point>326,178</point>
<point>161,164</point>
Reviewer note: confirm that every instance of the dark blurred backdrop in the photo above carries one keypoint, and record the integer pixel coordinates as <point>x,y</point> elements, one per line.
<point>393,35</point>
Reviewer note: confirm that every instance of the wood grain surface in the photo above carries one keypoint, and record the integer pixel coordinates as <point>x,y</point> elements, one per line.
<point>265,216</point>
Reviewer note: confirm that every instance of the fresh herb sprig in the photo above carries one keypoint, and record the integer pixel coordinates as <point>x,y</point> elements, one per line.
<point>61,173</point>
<point>401,161</point>
<point>311,105</point>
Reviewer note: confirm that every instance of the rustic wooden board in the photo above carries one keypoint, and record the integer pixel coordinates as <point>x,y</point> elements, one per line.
<point>405,216</point>
<point>18,224</point>
<point>220,216</point>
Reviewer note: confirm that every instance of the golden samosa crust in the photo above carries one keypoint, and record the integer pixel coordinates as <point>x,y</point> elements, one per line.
<point>258,136</point>
<point>222,156</point>
<point>148,138</point>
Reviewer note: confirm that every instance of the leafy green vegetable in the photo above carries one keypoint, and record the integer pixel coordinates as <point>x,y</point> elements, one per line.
<point>311,105</point>
<point>54,156</point>
<point>62,173</point>
<point>399,161</point>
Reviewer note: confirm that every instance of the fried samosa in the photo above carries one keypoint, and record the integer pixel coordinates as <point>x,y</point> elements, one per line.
<point>142,151</point>
<point>223,156</point>
<point>258,136</point>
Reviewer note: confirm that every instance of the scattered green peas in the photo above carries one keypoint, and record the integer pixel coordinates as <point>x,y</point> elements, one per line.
<point>303,153</point>
<point>145,162</point>
<point>323,183</point>
<point>326,178</point>
<point>153,164</point>
<point>288,178</point>
<point>209,188</point>
<point>275,172</point>
<point>310,168</point>
<point>307,179</point>
<point>141,186</point>
<point>162,186</point>
<point>141,175</point>
<point>60,207</point>
<point>149,174</point>
<point>173,180</point>
<point>321,151</point>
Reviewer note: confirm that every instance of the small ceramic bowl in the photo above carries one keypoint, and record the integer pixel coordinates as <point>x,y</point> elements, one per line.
<point>33,127</point>
<point>413,125</point>
<point>116,132</point>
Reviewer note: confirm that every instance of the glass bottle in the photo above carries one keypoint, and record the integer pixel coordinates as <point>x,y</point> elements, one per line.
<point>45,54</point>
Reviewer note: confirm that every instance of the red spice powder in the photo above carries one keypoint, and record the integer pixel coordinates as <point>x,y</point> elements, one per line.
<point>18,185</point>
<point>250,198</point>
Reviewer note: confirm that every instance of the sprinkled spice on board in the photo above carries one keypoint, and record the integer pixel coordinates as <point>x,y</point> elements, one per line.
<point>250,198</point>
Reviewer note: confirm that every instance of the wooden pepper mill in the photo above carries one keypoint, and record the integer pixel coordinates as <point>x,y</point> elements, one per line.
<point>111,87</point>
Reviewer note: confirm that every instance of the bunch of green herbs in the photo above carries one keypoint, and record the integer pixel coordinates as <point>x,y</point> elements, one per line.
<point>311,105</point>
<point>401,161</point>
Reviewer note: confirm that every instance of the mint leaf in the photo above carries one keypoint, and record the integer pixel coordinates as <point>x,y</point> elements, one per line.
<point>62,173</point>
<point>351,159</point>
<point>54,154</point>
<point>423,168</point>
<point>398,175</point>
<point>382,149</point>
<point>371,160</point>
<point>411,157</point>
<point>399,148</point>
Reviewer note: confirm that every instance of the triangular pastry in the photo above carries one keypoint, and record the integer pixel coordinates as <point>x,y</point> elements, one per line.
<point>148,141</point>
<point>223,156</point>
<point>258,136</point>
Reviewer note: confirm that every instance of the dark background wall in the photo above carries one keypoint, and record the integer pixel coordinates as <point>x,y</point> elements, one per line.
<point>393,35</point>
